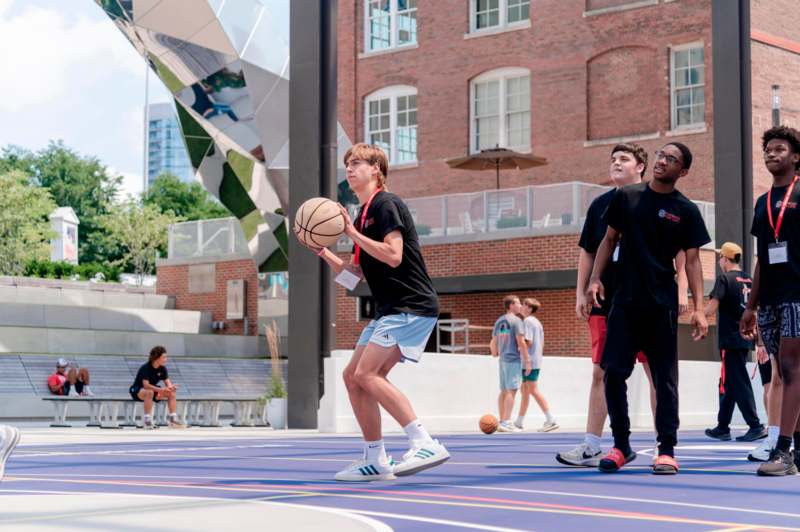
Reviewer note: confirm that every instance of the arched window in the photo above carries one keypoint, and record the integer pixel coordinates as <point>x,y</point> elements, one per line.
<point>390,121</point>
<point>500,110</point>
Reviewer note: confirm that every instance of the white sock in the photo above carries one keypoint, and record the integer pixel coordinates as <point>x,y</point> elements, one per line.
<point>416,433</point>
<point>375,451</point>
<point>148,417</point>
<point>520,420</point>
<point>548,417</point>
<point>173,416</point>
<point>592,441</point>
<point>772,434</point>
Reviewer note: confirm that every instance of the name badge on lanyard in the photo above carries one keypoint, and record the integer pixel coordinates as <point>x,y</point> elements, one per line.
<point>779,251</point>
<point>615,256</point>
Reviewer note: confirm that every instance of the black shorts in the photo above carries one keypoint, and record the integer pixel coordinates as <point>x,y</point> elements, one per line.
<point>135,394</point>
<point>630,330</point>
<point>78,387</point>
<point>766,372</point>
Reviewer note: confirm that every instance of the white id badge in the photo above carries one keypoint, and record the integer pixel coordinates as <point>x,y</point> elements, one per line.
<point>348,279</point>
<point>778,253</point>
<point>615,257</point>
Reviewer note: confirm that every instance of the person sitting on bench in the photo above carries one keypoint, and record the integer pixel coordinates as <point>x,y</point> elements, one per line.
<point>69,380</point>
<point>145,388</point>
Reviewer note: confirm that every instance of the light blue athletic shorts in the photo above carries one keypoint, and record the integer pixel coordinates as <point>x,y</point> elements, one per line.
<point>407,331</point>
<point>510,374</point>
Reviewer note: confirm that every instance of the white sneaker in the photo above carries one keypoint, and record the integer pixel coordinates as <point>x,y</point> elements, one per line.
<point>507,426</point>
<point>519,425</point>
<point>582,455</point>
<point>421,457</point>
<point>149,425</point>
<point>73,393</point>
<point>87,392</point>
<point>9,438</point>
<point>549,426</point>
<point>365,471</point>
<point>762,452</point>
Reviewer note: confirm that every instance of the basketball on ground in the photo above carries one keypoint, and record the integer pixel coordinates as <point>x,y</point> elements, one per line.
<point>319,223</point>
<point>488,423</point>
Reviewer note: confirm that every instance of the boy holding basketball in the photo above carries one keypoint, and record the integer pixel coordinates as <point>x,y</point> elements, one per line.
<point>386,253</point>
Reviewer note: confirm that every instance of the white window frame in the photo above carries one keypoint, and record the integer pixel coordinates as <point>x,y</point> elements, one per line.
<point>673,101</point>
<point>391,93</point>
<point>502,20</point>
<point>393,31</point>
<point>501,75</point>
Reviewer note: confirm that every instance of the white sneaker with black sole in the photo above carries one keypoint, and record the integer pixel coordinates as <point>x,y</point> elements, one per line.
<point>9,438</point>
<point>762,452</point>
<point>421,457</point>
<point>581,456</point>
<point>367,471</point>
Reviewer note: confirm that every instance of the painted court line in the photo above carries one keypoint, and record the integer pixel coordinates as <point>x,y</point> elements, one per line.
<point>434,521</point>
<point>442,500</point>
<point>659,502</point>
<point>200,502</point>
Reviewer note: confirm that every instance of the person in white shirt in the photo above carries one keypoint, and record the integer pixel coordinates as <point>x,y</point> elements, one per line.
<point>534,340</point>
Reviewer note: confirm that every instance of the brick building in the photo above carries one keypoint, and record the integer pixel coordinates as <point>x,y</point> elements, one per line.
<point>432,80</point>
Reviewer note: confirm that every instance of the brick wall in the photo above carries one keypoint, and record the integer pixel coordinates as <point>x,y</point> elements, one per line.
<point>775,57</point>
<point>566,334</point>
<point>561,49</point>
<point>174,281</point>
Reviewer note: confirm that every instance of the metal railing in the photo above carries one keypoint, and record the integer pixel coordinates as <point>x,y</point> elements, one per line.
<point>206,238</point>
<point>525,211</point>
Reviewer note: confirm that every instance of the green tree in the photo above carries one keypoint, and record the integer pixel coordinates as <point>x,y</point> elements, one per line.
<point>73,180</point>
<point>138,231</point>
<point>188,200</point>
<point>25,230</point>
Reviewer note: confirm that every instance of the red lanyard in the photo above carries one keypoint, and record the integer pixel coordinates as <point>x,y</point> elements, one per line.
<point>357,250</point>
<point>784,203</point>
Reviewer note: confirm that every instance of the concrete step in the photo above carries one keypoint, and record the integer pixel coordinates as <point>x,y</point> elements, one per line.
<point>79,293</point>
<point>14,314</point>
<point>43,340</point>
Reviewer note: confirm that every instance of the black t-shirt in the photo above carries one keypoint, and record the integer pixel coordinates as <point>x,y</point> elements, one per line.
<point>594,230</point>
<point>731,289</point>
<point>151,374</point>
<point>407,288</point>
<point>778,283</point>
<point>654,227</point>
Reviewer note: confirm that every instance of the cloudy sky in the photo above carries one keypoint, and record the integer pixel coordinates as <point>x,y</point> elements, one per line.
<point>71,75</point>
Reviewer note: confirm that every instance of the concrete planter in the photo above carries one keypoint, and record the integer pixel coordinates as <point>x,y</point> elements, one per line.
<point>276,413</point>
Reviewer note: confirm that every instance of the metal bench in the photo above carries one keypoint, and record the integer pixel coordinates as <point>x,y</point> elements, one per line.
<point>105,411</point>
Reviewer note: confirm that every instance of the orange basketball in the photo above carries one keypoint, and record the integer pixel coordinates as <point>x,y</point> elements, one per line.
<point>488,423</point>
<point>319,222</point>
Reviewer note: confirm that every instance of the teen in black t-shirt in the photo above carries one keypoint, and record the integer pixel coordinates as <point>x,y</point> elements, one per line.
<point>652,222</point>
<point>387,255</point>
<point>145,388</point>
<point>729,297</point>
<point>776,285</point>
<point>627,166</point>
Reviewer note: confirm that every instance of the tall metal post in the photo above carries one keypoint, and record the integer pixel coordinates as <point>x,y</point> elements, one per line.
<point>312,172</point>
<point>733,137</point>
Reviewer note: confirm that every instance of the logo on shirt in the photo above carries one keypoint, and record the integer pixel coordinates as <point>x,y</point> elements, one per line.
<point>789,205</point>
<point>669,216</point>
<point>368,222</point>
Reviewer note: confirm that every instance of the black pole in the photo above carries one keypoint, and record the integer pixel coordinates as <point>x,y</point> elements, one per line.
<point>733,165</point>
<point>312,172</point>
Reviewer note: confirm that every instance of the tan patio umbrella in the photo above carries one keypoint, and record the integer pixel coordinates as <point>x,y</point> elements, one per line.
<point>497,158</point>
